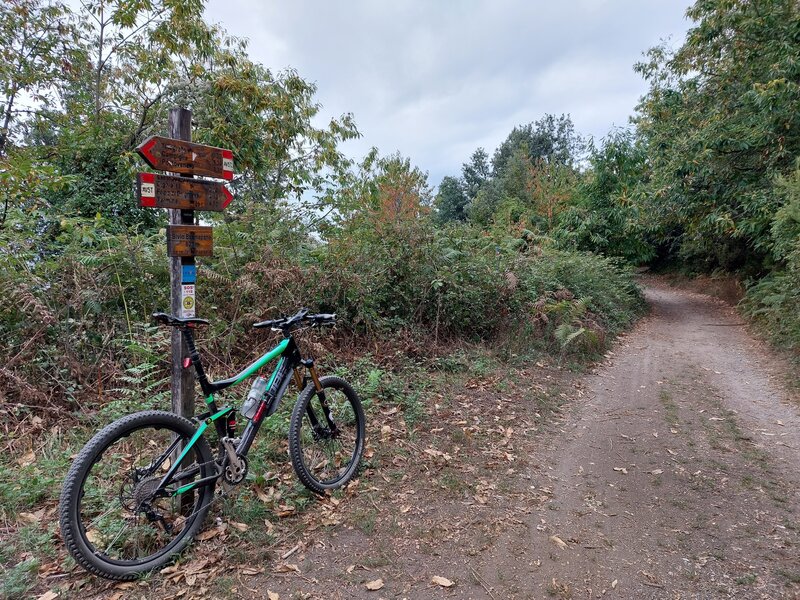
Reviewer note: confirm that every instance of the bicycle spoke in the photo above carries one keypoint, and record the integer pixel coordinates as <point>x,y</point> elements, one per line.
<point>111,545</point>
<point>97,519</point>
<point>153,467</point>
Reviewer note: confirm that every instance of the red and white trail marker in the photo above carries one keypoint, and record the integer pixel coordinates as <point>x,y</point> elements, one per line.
<point>186,158</point>
<point>162,191</point>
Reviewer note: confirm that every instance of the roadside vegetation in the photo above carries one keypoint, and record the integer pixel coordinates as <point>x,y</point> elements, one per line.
<point>705,181</point>
<point>526,255</point>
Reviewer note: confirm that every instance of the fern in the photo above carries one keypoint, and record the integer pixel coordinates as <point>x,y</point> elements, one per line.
<point>566,333</point>
<point>144,387</point>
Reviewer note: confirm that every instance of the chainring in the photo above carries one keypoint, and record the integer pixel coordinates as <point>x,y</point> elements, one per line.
<point>234,474</point>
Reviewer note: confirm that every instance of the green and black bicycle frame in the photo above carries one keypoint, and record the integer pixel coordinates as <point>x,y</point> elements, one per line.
<point>291,366</point>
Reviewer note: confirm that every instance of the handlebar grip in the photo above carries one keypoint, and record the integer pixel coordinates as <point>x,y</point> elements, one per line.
<point>323,319</point>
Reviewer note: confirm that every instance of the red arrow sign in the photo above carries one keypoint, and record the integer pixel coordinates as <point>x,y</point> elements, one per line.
<point>186,158</point>
<point>163,191</point>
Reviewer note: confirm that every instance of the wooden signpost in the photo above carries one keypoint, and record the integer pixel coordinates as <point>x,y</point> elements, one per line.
<point>185,239</point>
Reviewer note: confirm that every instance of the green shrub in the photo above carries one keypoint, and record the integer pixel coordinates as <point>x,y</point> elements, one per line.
<point>774,302</point>
<point>86,296</point>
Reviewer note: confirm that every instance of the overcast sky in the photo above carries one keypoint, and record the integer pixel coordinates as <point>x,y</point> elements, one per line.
<point>436,79</point>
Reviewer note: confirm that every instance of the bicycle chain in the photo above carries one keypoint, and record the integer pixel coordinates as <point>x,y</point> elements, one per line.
<point>223,493</point>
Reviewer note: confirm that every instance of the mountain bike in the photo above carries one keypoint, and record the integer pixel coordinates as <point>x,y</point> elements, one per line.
<point>139,490</point>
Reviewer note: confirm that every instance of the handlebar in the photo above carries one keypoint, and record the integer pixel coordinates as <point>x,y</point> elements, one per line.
<point>301,317</point>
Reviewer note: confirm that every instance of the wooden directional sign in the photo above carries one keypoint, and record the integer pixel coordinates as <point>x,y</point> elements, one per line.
<point>189,240</point>
<point>186,158</point>
<point>162,191</point>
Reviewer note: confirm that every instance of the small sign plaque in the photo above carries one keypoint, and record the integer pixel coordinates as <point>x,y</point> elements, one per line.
<point>188,274</point>
<point>189,240</point>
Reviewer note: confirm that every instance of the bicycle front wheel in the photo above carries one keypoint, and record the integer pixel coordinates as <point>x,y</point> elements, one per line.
<point>326,435</point>
<point>113,520</point>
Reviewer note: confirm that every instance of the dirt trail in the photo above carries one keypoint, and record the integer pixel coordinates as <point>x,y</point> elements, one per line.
<point>672,473</point>
<point>677,479</point>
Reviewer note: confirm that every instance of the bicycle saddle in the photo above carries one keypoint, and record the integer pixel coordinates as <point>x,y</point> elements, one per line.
<point>166,319</point>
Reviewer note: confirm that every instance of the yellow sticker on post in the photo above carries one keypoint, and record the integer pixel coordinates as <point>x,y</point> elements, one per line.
<point>187,301</point>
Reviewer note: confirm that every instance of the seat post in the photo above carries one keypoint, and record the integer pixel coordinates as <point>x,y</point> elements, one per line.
<point>194,355</point>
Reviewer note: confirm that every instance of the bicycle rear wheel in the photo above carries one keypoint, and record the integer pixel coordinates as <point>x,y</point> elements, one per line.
<point>112,521</point>
<point>326,435</point>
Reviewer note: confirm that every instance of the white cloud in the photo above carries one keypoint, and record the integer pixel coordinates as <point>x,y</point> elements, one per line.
<point>435,80</point>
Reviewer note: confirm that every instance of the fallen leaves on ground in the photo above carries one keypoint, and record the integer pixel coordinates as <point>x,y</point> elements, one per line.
<point>442,581</point>
<point>374,585</point>
<point>287,568</point>
<point>239,526</point>
<point>558,541</point>
<point>32,517</point>
<point>26,459</point>
<point>210,533</point>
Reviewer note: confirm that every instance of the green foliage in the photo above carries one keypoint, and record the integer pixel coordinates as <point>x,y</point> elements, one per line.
<point>451,201</point>
<point>475,173</point>
<point>785,228</point>
<point>551,138</point>
<point>606,216</point>
<point>529,193</point>
<point>33,33</point>
<point>531,179</point>
<point>774,302</point>
<point>457,280</point>
<point>20,578</point>
<point>719,122</point>
<point>142,386</point>
<point>70,305</point>
<point>268,118</point>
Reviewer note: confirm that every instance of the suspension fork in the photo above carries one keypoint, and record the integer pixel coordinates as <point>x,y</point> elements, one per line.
<point>312,369</point>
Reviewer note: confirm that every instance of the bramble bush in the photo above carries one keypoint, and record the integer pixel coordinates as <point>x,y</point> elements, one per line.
<point>87,304</point>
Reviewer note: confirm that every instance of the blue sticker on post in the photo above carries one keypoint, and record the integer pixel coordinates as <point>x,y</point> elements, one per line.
<point>189,274</point>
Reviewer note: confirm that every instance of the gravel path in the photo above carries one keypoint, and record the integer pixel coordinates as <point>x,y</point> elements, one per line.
<point>678,478</point>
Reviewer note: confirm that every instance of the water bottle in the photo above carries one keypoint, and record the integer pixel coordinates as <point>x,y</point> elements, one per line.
<point>254,397</point>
